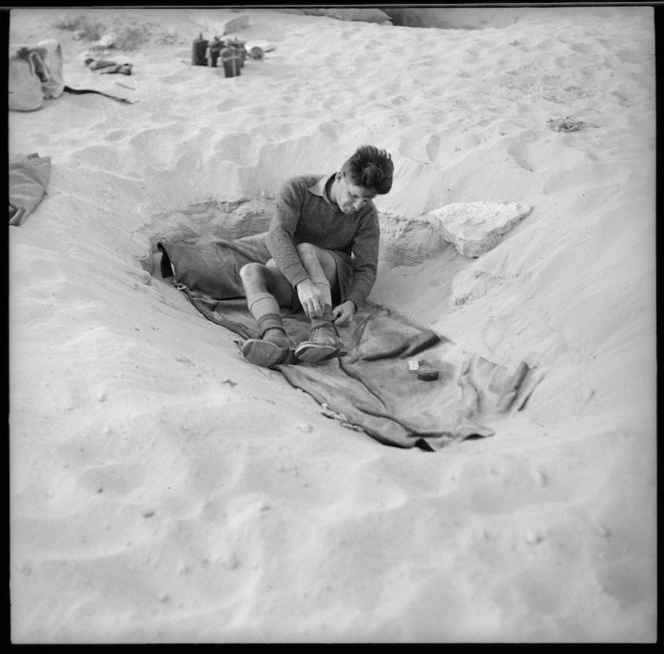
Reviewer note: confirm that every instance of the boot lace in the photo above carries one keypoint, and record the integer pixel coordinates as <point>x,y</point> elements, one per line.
<point>324,331</point>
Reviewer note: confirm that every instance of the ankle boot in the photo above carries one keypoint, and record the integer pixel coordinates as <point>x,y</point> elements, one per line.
<point>272,349</point>
<point>324,341</point>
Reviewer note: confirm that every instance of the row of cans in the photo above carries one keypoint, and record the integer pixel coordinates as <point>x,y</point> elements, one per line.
<point>207,53</point>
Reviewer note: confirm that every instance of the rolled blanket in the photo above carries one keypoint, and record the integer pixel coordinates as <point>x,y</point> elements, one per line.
<point>108,67</point>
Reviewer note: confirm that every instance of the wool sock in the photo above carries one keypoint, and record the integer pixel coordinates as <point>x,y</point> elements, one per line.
<point>324,285</point>
<point>325,319</point>
<point>265,309</point>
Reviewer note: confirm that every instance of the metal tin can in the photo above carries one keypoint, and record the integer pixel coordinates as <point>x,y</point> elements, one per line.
<point>198,52</point>
<point>231,61</point>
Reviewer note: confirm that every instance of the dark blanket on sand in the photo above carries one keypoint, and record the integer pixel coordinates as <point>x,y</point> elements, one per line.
<point>28,182</point>
<point>371,387</point>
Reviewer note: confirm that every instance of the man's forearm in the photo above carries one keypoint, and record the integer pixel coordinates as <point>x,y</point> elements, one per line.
<point>283,251</point>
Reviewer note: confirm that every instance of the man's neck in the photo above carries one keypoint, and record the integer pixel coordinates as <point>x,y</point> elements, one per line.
<point>330,190</point>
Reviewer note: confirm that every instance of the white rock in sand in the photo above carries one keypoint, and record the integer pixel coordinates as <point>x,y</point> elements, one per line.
<point>235,24</point>
<point>108,40</point>
<point>476,227</point>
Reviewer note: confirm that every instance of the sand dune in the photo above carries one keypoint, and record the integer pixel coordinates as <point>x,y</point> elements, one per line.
<point>164,490</point>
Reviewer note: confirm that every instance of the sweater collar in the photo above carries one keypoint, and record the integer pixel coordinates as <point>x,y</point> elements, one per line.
<point>319,187</point>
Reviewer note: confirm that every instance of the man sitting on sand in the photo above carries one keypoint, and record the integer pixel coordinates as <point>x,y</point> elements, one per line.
<point>323,239</point>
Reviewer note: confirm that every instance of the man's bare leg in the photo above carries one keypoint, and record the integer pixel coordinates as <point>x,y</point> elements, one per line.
<point>266,289</point>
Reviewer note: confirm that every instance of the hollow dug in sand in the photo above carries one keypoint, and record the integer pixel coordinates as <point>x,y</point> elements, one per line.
<point>162,490</point>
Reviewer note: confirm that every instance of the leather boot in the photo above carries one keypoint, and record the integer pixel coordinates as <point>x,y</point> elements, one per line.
<point>324,341</point>
<point>272,349</point>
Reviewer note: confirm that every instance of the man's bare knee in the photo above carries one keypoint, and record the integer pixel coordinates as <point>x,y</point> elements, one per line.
<point>251,271</point>
<point>259,278</point>
<point>253,274</point>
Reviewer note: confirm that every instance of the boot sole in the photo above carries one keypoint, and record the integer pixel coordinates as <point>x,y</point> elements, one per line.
<point>312,352</point>
<point>264,353</point>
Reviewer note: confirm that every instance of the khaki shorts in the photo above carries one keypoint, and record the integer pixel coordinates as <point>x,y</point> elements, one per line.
<point>344,278</point>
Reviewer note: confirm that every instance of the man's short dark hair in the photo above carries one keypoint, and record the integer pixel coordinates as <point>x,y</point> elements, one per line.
<point>370,168</point>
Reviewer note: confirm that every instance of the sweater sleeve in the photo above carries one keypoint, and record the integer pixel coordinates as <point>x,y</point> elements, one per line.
<point>287,214</point>
<point>365,248</point>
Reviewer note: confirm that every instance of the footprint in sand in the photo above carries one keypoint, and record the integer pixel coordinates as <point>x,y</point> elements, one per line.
<point>332,129</point>
<point>580,47</point>
<point>99,156</point>
<point>156,148</point>
<point>433,148</point>
<point>115,135</point>
<point>258,110</point>
<point>400,120</point>
<point>228,103</point>
<point>422,148</point>
<point>630,56</point>
<point>210,474</point>
<point>622,99</point>
<point>114,479</point>
<point>518,152</point>
<point>371,45</point>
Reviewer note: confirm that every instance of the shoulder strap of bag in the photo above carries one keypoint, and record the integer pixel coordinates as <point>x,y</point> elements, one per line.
<point>69,89</point>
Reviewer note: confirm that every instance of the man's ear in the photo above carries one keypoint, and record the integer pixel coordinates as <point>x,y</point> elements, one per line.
<point>338,176</point>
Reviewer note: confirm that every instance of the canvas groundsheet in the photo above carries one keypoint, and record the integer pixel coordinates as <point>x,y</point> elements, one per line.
<point>374,385</point>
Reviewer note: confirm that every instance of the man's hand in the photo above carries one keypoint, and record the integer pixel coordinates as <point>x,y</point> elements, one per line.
<point>344,313</point>
<point>311,299</point>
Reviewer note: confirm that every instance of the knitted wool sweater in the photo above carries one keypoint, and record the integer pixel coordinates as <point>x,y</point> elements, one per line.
<point>304,214</point>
